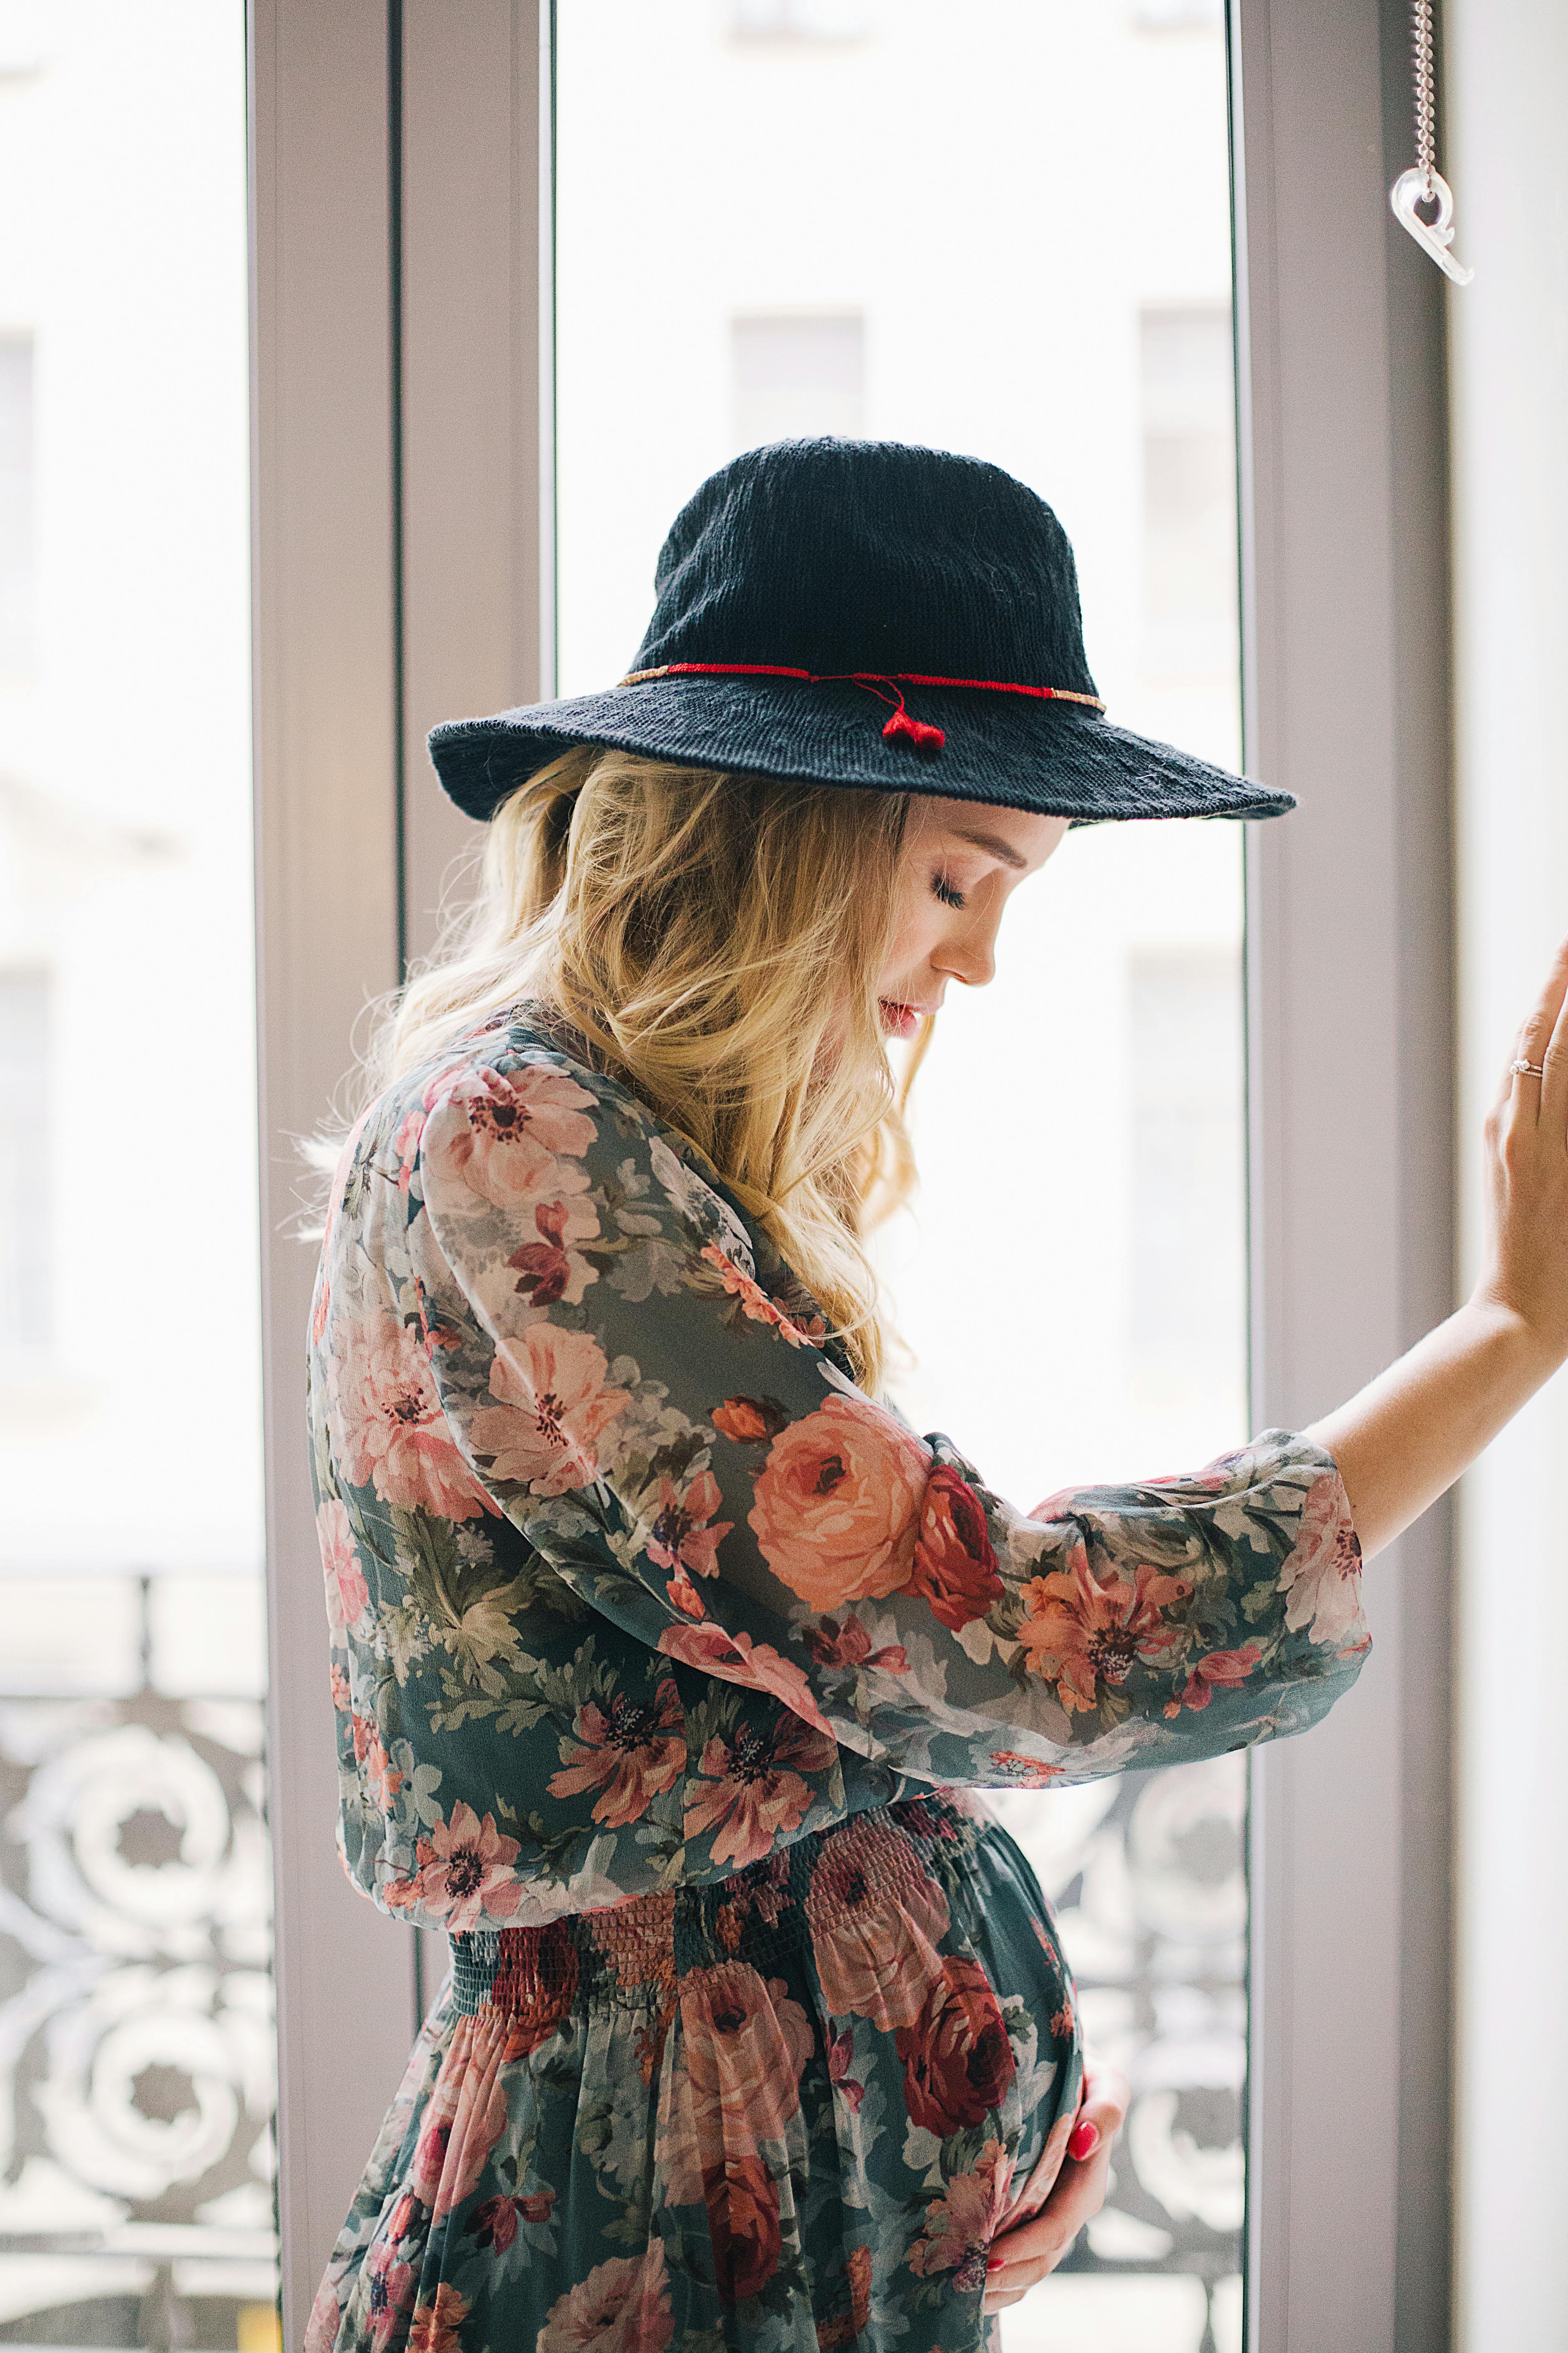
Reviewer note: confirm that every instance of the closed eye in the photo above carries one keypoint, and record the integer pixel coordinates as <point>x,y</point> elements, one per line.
<point>943,890</point>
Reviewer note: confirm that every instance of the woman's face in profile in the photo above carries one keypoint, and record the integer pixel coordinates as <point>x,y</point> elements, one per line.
<point>960,863</point>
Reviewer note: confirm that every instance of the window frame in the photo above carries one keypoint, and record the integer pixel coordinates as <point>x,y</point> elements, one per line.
<point>401,192</point>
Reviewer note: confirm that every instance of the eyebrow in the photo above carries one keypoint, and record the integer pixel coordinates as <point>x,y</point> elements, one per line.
<point>994,844</point>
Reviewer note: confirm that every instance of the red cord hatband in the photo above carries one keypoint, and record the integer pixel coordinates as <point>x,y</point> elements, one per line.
<point>923,737</point>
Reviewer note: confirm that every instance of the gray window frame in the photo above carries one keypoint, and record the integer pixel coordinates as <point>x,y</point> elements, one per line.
<point>401,322</point>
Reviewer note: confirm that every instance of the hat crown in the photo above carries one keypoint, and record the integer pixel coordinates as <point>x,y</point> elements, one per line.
<point>833,555</point>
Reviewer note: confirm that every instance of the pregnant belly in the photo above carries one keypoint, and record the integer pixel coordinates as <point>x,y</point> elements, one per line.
<point>1004,1924</point>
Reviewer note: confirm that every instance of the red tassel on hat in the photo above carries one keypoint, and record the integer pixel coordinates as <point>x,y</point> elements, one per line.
<point>923,737</point>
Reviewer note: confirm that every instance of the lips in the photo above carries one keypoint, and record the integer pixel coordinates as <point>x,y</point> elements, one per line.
<point>903,1021</point>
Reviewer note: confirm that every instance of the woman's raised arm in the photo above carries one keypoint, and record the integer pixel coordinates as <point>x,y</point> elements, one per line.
<point>638,1386</point>
<point>1408,1435</point>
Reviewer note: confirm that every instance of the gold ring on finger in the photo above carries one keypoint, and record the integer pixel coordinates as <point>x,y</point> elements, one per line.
<point>1523,1069</point>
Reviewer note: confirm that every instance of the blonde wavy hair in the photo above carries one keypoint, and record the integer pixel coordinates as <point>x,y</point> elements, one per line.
<point>717,939</point>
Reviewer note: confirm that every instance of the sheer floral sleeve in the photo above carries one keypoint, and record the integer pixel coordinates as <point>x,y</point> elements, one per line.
<point>638,1387</point>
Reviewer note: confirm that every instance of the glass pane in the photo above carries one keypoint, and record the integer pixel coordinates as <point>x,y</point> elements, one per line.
<point>136,2049</point>
<point>1002,228</point>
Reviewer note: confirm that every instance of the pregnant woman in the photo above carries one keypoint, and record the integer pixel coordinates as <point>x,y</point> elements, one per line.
<point>667,1656</point>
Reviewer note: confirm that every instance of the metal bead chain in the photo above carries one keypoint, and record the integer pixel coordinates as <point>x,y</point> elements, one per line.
<point>1426,100</point>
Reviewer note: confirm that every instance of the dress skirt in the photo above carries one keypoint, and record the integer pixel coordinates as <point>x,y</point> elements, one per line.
<point>787,2109</point>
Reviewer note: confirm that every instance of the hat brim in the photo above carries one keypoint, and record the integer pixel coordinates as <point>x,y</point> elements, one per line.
<point>1011,751</point>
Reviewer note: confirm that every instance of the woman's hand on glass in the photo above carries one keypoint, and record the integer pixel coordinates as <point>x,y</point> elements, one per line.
<point>1023,2255</point>
<point>1526,1270</point>
<point>1411,1432</point>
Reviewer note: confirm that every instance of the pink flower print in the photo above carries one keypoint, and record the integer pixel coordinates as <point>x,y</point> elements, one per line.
<point>464,1872</point>
<point>682,1537</point>
<point>392,2285</point>
<point>464,2118</point>
<point>522,1136</point>
<point>1322,1575</point>
<point>837,1503</point>
<point>343,1697</point>
<point>437,2325</point>
<point>849,1645</point>
<point>959,2227</point>
<point>405,1144</point>
<point>1083,1633</point>
<point>840,2053</point>
<point>755,1305</point>
<point>623,2306</point>
<point>876,1921</point>
<point>631,1753</point>
<point>388,1419</point>
<point>326,2312</point>
<point>751,1793</point>
<point>1220,1668</point>
<point>736,1659</point>
<point>381,1779</point>
<point>553,1408</point>
<point>744,2045</point>
<point>348,1595</point>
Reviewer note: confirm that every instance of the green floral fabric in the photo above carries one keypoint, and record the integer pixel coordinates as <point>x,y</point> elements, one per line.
<point>661,1656</point>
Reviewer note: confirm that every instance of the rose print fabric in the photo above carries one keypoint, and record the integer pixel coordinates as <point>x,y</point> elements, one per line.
<point>788,2108</point>
<point>662,1655</point>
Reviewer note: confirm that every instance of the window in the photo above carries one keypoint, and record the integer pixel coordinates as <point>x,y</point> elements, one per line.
<point>1049,1117</point>
<point>797,376</point>
<point>16,580</point>
<point>136,2053</point>
<point>800,20</point>
<point>1188,1306</point>
<point>1179,15</point>
<point>1189,496</point>
<point>24,1297</point>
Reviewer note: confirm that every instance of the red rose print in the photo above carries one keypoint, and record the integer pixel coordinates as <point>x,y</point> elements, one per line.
<point>955,1563</point>
<point>744,2220</point>
<point>958,2062</point>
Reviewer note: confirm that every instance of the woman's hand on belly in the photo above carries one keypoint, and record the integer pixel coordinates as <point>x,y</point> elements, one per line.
<point>1023,2255</point>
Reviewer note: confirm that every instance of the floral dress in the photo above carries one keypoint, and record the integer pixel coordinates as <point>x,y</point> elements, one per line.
<point>666,1663</point>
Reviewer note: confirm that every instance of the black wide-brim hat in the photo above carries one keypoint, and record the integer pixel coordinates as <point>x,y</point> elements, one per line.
<point>870,615</point>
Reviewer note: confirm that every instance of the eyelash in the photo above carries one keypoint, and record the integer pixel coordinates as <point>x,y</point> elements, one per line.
<point>943,888</point>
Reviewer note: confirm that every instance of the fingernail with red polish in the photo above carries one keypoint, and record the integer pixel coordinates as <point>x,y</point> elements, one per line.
<point>1084,2143</point>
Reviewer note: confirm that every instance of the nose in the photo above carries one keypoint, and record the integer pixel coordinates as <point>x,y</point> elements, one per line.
<point>970,957</point>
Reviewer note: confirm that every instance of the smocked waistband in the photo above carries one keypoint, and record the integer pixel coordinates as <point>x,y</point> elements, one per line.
<point>638,1951</point>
